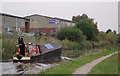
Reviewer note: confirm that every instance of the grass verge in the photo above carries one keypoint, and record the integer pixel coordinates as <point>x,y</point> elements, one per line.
<point>108,66</point>
<point>8,49</point>
<point>70,66</point>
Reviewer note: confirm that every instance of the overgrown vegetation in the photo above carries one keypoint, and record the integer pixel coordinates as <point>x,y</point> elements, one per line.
<point>92,38</point>
<point>71,34</point>
<point>69,48</point>
<point>84,17</point>
<point>8,49</point>
<point>87,30</point>
<point>112,38</point>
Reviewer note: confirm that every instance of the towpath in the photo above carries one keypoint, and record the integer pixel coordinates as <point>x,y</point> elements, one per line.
<point>85,69</point>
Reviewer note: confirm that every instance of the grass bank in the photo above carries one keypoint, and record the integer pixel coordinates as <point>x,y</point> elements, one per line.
<point>70,66</point>
<point>8,49</point>
<point>108,66</point>
<point>69,49</point>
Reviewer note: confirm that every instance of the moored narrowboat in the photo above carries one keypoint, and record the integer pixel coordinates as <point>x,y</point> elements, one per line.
<point>45,53</point>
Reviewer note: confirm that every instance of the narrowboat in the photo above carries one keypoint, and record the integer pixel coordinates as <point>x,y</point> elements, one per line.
<point>45,53</point>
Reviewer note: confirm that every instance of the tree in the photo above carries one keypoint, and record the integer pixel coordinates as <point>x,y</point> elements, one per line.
<point>119,40</point>
<point>76,18</point>
<point>109,30</point>
<point>114,32</point>
<point>70,33</point>
<point>79,18</point>
<point>102,35</point>
<point>112,38</point>
<point>86,18</point>
<point>87,29</point>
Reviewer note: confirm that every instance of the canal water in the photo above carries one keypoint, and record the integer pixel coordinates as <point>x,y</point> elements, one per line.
<point>9,68</point>
<point>20,68</point>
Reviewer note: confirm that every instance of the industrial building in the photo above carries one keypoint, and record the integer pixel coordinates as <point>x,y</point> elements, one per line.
<point>33,23</point>
<point>47,24</point>
<point>14,23</point>
<point>39,22</point>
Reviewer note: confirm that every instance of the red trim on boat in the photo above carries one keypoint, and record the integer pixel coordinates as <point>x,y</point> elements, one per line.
<point>22,62</point>
<point>25,62</point>
<point>15,62</point>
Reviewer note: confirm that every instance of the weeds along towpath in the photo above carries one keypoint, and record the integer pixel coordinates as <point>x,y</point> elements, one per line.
<point>85,69</point>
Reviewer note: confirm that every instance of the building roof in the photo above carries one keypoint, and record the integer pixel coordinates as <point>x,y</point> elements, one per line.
<point>64,20</point>
<point>4,14</point>
<point>50,18</point>
<point>39,15</point>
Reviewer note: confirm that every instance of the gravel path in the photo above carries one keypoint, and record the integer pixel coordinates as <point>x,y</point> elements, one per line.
<point>85,69</point>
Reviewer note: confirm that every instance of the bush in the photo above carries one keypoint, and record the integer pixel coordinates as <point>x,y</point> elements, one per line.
<point>112,38</point>
<point>73,49</point>
<point>87,29</point>
<point>95,38</point>
<point>119,40</point>
<point>72,53</point>
<point>70,49</point>
<point>67,45</point>
<point>101,35</point>
<point>71,34</point>
<point>86,45</point>
<point>103,44</point>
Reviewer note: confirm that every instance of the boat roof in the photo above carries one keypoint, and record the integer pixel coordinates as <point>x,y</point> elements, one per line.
<point>45,48</point>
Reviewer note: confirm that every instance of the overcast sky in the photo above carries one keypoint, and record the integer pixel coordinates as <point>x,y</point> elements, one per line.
<point>105,13</point>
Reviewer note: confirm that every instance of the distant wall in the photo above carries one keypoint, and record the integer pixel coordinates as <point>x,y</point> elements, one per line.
<point>12,22</point>
<point>46,30</point>
<point>41,22</point>
<point>65,23</point>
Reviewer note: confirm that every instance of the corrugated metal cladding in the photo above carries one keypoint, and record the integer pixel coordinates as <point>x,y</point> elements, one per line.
<point>33,23</point>
<point>39,22</point>
<point>13,23</point>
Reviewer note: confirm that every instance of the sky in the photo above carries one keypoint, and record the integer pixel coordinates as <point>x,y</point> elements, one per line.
<point>104,12</point>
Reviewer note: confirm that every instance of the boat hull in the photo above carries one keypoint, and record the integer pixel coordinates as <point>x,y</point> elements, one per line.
<point>49,57</point>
